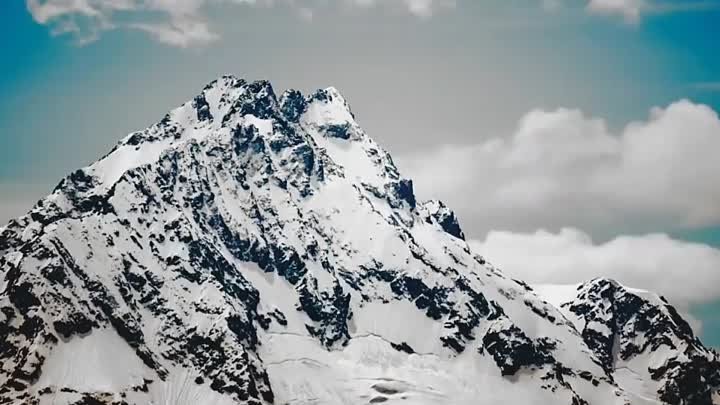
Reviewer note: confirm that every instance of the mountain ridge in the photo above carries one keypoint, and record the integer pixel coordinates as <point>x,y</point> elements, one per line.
<point>260,249</point>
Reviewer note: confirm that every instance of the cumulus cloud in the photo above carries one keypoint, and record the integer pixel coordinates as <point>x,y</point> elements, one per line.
<point>563,168</point>
<point>685,273</point>
<point>182,23</point>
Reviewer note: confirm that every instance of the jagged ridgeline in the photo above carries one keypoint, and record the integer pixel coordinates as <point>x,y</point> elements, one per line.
<point>255,249</point>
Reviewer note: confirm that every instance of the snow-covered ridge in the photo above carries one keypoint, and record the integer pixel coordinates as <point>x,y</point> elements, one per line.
<point>641,339</point>
<point>226,103</point>
<point>258,249</point>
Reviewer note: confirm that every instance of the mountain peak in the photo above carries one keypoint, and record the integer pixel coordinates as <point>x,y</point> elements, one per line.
<point>637,334</point>
<point>230,110</point>
<point>255,249</point>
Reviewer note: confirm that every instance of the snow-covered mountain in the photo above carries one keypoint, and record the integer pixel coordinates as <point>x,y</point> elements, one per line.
<point>641,341</point>
<point>250,249</point>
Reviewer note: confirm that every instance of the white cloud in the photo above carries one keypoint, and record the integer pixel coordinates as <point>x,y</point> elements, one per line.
<point>562,168</point>
<point>629,9</point>
<point>633,10</point>
<point>180,23</point>
<point>179,32</point>
<point>174,22</point>
<point>420,8</point>
<point>184,23</point>
<point>423,8</point>
<point>685,273</point>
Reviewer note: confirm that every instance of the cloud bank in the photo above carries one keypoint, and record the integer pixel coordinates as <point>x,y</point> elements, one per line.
<point>563,168</point>
<point>566,171</point>
<point>686,273</point>
<point>182,23</point>
<point>185,23</point>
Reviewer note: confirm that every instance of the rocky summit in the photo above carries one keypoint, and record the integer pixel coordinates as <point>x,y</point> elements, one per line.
<point>260,249</point>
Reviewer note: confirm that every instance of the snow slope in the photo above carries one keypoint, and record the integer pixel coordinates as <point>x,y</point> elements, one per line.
<point>258,249</point>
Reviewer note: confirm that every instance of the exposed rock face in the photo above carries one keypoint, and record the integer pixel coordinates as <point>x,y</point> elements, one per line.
<point>639,336</point>
<point>254,249</point>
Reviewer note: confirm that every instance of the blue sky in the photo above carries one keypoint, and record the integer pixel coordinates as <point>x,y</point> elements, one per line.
<point>435,85</point>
